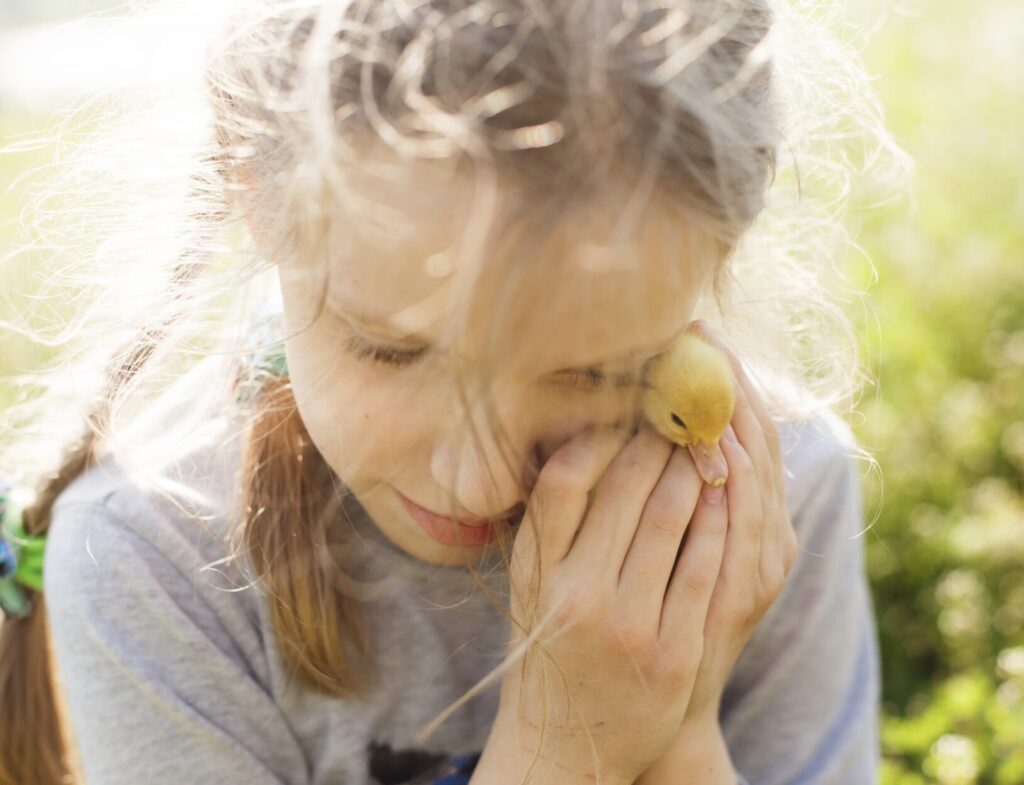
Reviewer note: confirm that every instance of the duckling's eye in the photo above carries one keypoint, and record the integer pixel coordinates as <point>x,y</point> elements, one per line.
<point>677,420</point>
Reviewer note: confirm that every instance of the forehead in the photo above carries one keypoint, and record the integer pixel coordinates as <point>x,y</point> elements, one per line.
<point>600,284</point>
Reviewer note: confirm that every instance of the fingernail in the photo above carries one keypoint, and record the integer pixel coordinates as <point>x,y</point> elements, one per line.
<point>712,494</point>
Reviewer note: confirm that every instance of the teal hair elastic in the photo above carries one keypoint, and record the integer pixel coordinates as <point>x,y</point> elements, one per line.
<point>21,558</point>
<point>272,364</point>
<point>269,359</point>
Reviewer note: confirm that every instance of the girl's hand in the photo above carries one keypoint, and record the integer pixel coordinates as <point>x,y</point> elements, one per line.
<point>620,620</point>
<point>760,546</point>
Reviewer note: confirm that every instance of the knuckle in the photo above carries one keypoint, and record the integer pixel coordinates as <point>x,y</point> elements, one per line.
<point>632,636</point>
<point>775,583</point>
<point>699,580</point>
<point>564,477</point>
<point>577,455</point>
<point>714,520</point>
<point>662,516</point>
<point>744,463</point>
<point>740,611</point>
<point>571,608</point>
<point>672,667</point>
<point>744,466</point>
<point>791,548</point>
<point>547,500</point>
<point>748,609</point>
<point>682,657</point>
<point>623,477</point>
<point>754,526</point>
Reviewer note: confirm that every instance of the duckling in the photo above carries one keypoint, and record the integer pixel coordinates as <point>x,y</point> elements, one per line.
<point>688,396</point>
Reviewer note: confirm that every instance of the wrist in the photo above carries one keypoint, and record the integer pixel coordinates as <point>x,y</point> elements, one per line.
<point>699,751</point>
<point>511,757</point>
<point>705,727</point>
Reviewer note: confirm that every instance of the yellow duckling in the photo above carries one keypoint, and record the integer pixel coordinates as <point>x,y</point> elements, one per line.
<point>688,397</point>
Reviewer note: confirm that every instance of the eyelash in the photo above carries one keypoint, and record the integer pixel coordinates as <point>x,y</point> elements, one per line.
<point>587,380</point>
<point>364,350</point>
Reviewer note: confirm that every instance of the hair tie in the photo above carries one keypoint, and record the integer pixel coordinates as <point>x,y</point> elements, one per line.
<point>21,558</point>
<point>267,358</point>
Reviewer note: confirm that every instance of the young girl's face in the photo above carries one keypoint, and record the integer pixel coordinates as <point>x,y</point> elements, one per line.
<point>380,404</point>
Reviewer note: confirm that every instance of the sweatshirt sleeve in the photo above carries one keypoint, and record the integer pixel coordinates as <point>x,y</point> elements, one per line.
<point>802,704</point>
<point>158,670</point>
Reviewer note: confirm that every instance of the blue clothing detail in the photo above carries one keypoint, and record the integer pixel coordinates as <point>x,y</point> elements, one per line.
<point>8,564</point>
<point>461,769</point>
<point>171,672</point>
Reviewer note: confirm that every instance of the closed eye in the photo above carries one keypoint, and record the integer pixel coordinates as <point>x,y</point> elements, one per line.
<point>595,379</point>
<point>364,350</point>
<point>587,379</point>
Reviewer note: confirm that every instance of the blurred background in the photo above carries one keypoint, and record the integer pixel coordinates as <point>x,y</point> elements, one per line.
<point>944,337</point>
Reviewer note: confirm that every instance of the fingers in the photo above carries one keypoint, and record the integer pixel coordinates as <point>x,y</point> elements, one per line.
<point>688,596</point>
<point>649,563</point>
<point>745,543</point>
<point>750,433</point>
<point>779,547</point>
<point>619,500</point>
<point>561,494</point>
<point>760,547</point>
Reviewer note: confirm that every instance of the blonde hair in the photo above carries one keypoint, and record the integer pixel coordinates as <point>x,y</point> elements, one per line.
<point>753,116</point>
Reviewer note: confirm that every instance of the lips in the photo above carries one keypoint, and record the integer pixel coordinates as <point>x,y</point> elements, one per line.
<point>448,531</point>
<point>508,516</point>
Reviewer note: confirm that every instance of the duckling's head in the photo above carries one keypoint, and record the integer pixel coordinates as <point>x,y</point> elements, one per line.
<point>688,397</point>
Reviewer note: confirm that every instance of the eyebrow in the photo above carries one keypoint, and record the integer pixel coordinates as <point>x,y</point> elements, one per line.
<point>376,322</point>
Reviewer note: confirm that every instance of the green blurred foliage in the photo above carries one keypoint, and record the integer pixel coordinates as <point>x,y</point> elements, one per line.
<point>944,335</point>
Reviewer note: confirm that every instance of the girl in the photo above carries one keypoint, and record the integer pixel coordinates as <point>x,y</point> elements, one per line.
<point>408,525</point>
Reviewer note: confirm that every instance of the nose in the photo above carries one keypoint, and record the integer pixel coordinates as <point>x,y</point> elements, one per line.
<point>489,478</point>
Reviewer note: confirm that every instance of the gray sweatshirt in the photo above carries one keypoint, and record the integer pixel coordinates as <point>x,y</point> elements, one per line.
<point>171,672</point>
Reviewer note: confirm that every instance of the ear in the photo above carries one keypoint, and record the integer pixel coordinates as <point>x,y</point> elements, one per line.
<point>242,189</point>
<point>245,189</point>
<point>255,228</point>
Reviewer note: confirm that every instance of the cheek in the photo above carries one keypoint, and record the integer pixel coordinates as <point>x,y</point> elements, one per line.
<point>363,420</point>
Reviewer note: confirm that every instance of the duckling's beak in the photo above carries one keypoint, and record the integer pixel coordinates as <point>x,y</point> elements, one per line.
<point>710,463</point>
